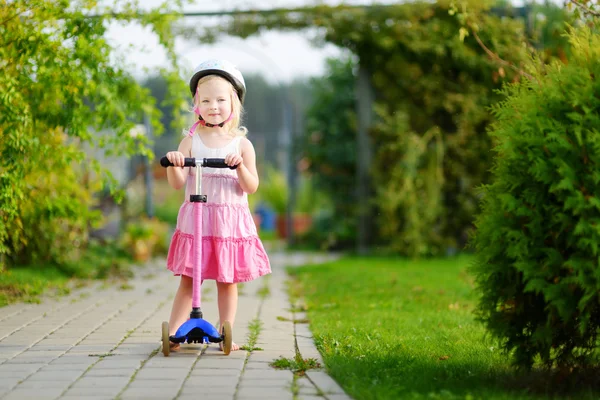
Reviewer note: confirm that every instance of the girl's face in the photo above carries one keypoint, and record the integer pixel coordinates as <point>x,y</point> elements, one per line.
<point>214,100</point>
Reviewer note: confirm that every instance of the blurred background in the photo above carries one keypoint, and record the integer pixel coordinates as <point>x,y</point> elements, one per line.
<point>369,119</point>
<point>295,78</point>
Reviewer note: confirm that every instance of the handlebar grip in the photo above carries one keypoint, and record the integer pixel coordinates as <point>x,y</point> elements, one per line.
<point>189,162</point>
<point>216,163</point>
<point>206,162</point>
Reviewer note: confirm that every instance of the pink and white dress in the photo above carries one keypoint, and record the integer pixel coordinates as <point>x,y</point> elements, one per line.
<point>231,249</point>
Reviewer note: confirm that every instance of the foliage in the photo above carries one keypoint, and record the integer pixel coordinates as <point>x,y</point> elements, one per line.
<point>309,199</point>
<point>55,215</point>
<point>329,150</point>
<point>168,209</point>
<point>434,84</point>
<point>273,189</point>
<point>432,150</point>
<point>537,234</point>
<point>414,188</point>
<point>60,85</point>
<point>145,238</point>
<point>584,8</point>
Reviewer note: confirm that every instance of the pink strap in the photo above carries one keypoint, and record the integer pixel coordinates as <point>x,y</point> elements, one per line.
<point>193,128</point>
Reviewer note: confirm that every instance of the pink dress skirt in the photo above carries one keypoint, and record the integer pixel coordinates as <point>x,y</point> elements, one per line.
<point>231,249</point>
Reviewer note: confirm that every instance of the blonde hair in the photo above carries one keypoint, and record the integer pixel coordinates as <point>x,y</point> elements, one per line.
<point>234,125</point>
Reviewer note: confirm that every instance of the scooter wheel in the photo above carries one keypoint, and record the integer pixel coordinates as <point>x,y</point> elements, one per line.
<point>165,339</point>
<point>227,337</point>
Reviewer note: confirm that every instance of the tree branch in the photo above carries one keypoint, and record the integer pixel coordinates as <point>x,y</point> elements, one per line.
<point>497,57</point>
<point>11,17</point>
<point>585,8</point>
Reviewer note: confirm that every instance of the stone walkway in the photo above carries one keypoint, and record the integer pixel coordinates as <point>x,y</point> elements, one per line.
<point>104,343</point>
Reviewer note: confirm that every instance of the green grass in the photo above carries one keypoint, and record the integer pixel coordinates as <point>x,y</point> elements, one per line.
<point>389,328</point>
<point>297,365</point>
<point>28,284</point>
<point>264,291</point>
<point>254,328</point>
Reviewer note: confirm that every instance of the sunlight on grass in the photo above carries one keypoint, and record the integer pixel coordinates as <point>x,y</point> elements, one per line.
<point>391,328</point>
<point>28,284</point>
<point>104,261</point>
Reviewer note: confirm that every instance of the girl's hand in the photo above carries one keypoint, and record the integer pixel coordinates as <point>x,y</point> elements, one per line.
<point>232,159</point>
<point>177,158</point>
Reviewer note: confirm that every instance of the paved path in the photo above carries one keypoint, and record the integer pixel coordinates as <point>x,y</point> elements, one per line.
<point>103,343</point>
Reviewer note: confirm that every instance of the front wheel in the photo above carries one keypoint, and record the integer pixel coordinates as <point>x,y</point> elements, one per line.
<point>227,337</point>
<point>166,349</point>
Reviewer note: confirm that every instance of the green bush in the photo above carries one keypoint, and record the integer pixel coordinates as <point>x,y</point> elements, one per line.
<point>145,238</point>
<point>56,212</point>
<point>310,199</point>
<point>329,146</point>
<point>273,189</point>
<point>64,93</point>
<point>539,229</point>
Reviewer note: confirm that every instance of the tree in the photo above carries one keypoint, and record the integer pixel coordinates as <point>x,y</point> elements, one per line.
<point>58,89</point>
<point>328,145</point>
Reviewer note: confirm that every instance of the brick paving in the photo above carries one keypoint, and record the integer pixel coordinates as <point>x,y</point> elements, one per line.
<point>103,342</point>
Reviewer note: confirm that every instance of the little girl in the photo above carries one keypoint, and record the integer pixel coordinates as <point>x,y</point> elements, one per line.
<point>231,249</point>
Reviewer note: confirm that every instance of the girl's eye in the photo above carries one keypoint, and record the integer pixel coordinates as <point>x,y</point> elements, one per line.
<point>205,101</point>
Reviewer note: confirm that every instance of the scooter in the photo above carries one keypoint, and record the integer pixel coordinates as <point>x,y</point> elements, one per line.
<point>196,329</point>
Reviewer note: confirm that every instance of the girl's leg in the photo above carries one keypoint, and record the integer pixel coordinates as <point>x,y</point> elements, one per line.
<point>227,294</point>
<point>182,304</point>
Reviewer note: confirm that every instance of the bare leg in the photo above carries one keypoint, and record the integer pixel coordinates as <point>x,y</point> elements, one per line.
<point>182,304</point>
<point>227,298</point>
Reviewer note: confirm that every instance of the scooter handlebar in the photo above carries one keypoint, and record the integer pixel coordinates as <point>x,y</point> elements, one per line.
<point>206,162</point>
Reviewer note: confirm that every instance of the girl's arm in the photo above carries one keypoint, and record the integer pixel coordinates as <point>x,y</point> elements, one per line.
<point>246,170</point>
<point>177,175</point>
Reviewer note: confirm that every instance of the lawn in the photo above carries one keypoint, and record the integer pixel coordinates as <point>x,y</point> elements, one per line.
<point>390,328</point>
<point>29,282</point>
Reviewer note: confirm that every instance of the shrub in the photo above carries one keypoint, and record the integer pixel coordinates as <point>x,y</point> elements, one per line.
<point>145,238</point>
<point>56,211</point>
<point>273,189</point>
<point>65,93</point>
<point>539,228</point>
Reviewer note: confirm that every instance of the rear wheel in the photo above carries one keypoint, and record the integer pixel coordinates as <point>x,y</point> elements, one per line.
<point>166,349</point>
<point>227,337</point>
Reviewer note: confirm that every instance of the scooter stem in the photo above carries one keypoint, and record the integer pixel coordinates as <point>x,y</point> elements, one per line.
<point>197,199</point>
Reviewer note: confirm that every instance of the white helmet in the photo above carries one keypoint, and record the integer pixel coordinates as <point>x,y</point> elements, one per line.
<point>222,68</point>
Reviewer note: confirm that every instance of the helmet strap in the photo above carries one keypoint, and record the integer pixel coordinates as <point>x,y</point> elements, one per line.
<point>202,122</point>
